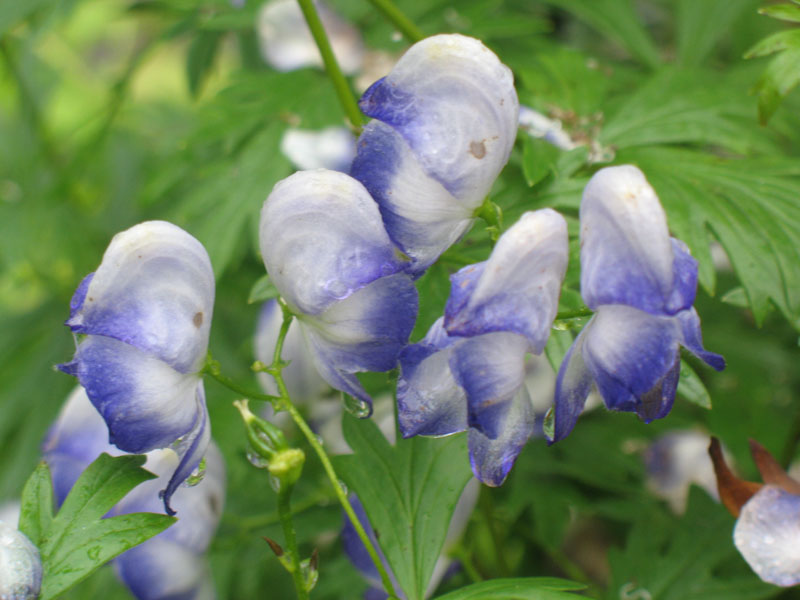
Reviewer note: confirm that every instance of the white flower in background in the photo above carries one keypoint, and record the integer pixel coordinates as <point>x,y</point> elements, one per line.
<point>331,148</point>
<point>550,130</point>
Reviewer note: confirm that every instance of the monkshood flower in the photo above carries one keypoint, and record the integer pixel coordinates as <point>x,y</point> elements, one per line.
<point>468,372</point>
<point>330,148</point>
<point>445,120</point>
<point>550,130</point>
<point>145,315</point>
<point>641,283</point>
<point>326,251</point>
<point>286,42</point>
<point>20,565</point>
<point>172,564</point>
<point>677,460</point>
<point>767,531</point>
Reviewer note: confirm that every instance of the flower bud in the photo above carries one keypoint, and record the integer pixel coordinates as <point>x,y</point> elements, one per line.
<point>20,565</point>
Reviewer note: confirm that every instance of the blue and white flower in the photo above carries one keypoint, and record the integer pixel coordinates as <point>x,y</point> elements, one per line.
<point>445,120</point>
<point>641,283</point>
<point>326,251</point>
<point>173,563</point>
<point>145,316</point>
<point>469,371</point>
<point>20,565</point>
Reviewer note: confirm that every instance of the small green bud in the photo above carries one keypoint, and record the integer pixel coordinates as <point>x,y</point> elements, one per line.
<point>287,465</point>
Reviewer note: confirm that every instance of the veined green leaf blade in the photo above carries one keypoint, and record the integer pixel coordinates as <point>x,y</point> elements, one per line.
<point>784,12</point>
<point>783,40</point>
<point>700,24</point>
<point>533,588</point>
<point>36,510</point>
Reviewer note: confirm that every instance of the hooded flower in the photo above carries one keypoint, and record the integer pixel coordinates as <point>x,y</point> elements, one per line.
<point>767,532</point>
<point>326,251</point>
<point>20,565</point>
<point>468,372</point>
<point>173,563</point>
<point>641,282</point>
<point>145,316</point>
<point>445,120</point>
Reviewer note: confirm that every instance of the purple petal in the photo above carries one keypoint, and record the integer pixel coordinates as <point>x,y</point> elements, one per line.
<point>322,239</point>
<point>516,290</point>
<point>78,298</point>
<point>429,401</point>
<point>357,553</point>
<point>766,534</point>
<point>693,340</point>
<point>154,290</point>
<point>573,384</point>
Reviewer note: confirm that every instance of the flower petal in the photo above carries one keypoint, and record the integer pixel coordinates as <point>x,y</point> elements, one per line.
<point>766,534</point>
<point>429,401</point>
<point>154,290</point>
<point>693,339</point>
<point>322,239</point>
<point>627,255</point>
<point>573,384</point>
<point>420,215</point>
<point>145,403</point>
<point>20,565</point>
<point>491,369</point>
<point>364,332</point>
<point>517,288</point>
<point>630,354</point>
<point>455,104</point>
<point>492,459</point>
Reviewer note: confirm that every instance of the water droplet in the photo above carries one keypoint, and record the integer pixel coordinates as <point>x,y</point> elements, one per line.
<point>93,553</point>
<point>396,36</point>
<point>320,441</point>
<point>561,326</point>
<point>309,575</point>
<point>357,407</point>
<point>275,483</point>
<point>197,475</point>
<point>257,460</point>
<point>343,485</point>
<point>549,425</point>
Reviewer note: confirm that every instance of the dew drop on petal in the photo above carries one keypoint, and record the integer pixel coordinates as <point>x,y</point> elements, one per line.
<point>356,406</point>
<point>197,475</point>
<point>257,460</point>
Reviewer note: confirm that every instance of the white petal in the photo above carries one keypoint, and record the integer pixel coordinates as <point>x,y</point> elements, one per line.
<point>322,238</point>
<point>331,148</point>
<point>20,565</point>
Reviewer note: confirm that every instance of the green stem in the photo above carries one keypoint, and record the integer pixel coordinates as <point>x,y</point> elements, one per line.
<point>574,314</point>
<point>398,19</point>
<point>285,514</point>
<point>212,368</point>
<point>343,91</point>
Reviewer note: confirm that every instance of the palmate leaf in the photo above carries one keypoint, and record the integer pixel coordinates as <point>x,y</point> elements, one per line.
<point>749,205</point>
<point>533,588</point>
<point>409,492</point>
<point>78,540</point>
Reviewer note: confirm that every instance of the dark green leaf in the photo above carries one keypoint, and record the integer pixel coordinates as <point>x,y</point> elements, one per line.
<point>691,388</point>
<point>538,159</point>
<point>200,59</point>
<point>780,77</point>
<point>784,12</point>
<point>36,510</point>
<point>408,492</point>
<point>557,346</point>
<point>702,23</point>
<point>533,588</point>
<point>263,289</point>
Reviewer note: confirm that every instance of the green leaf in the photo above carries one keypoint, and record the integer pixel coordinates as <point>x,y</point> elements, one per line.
<point>735,297</point>
<point>557,347</point>
<point>409,492</point>
<point>780,77</point>
<point>263,289</point>
<point>79,539</point>
<point>532,588</point>
<point>538,159</point>
<point>691,388</point>
<point>200,59</point>
<point>702,23</point>
<point>617,20</point>
<point>783,40</point>
<point>36,510</point>
<point>12,13</point>
<point>784,12</point>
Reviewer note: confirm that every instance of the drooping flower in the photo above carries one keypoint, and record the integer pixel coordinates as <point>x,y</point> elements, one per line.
<point>468,372</point>
<point>20,565</point>
<point>173,563</point>
<point>445,120</point>
<point>326,251</point>
<point>767,531</point>
<point>145,315</point>
<point>286,42</point>
<point>641,283</point>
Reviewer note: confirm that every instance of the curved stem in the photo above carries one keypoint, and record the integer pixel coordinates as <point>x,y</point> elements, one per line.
<point>343,91</point>
<point>285,514</point>
<point>398,19</point>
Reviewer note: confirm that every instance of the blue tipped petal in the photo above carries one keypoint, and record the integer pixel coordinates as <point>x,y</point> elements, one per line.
<point>517,288</point>
<point>322,238</point>
<point>657,402</point>
<point>146,403</point>
<point>766,534</point>
<point>491,369</point>
<point>153,290</point>
<point>162,570</point>
<point>420,215</point>
<point>364,332</point>
<point>684,277</point>
<point>492,459</point>
<point>693,340</point>
<point>429,401</point>
<point>627,255</point>
<point>573,384</point>
<point>629,353</point>
<point>454,103</point>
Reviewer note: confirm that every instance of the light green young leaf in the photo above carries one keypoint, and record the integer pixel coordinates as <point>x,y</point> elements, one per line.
<point>263,289</point>
<point>409,492</point>
<point>200,59</point>
<point>784,12</point>
<point>691,388</point>
<point>780,77</point>
<point>79,539</point>
<point>557,347</point>
<point>538,159</point>
<point>783,40</point>
<point>532,588</point>
<point>36,510</point>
